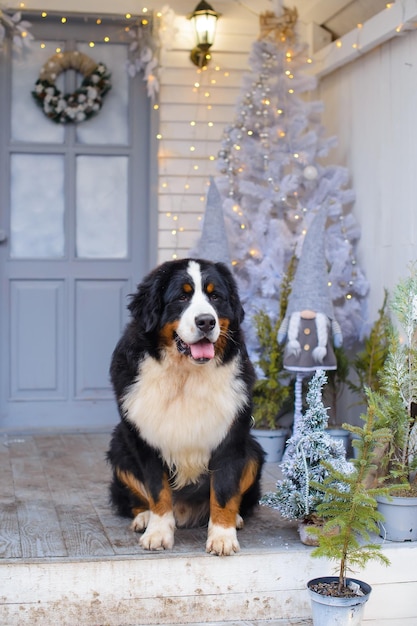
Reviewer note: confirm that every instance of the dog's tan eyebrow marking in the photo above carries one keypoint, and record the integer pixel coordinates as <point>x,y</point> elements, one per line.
<point>210,288</point>
<point>187,287</point>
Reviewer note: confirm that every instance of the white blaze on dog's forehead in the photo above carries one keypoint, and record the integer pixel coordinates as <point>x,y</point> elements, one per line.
<point>194,271</point>
<point>199,299</point>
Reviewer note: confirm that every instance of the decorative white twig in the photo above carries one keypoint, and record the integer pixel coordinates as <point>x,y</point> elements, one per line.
<point>146,45</point>
<point>15,27</point>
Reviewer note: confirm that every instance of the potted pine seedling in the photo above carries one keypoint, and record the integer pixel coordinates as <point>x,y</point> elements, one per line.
<point>272,392</point>
<point>350,516</point>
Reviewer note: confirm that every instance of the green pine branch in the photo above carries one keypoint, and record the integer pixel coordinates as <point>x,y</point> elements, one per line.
<point>272,392</point>
<point>398,395</point>
<point>398,387</point>
<point>369,362</point>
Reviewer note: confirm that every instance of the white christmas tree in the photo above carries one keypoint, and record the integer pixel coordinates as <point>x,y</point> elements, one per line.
<point>273,182</point>
<point>310,445</point>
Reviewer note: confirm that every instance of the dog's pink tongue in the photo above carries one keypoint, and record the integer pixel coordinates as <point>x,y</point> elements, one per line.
<point>202,350</point>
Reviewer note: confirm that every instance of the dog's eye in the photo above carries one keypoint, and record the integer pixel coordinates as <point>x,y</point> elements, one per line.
<point>214,296</point>
<point>184,297</point>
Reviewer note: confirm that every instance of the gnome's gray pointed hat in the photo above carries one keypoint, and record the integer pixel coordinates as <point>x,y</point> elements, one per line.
<point>213,243</point>
<point>310,289</point>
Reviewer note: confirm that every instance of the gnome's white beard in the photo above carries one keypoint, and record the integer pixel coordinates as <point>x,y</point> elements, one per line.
<point>293,345</point>
<point>322,334</point>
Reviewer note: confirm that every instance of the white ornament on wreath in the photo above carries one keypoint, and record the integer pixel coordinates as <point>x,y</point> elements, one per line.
<point>310,172</point>
<point>85,101</point>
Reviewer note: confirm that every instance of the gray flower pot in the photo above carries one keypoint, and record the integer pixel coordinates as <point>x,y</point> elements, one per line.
<point>333,611</point>
<point>400,518</point>
<point>273,442</point>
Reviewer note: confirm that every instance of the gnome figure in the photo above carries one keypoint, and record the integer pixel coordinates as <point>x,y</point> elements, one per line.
<point>309,325</point>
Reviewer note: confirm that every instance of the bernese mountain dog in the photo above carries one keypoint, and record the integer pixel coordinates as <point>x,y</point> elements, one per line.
<point>182,454</point>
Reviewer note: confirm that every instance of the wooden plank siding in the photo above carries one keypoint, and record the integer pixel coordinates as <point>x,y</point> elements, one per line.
<point>192,123</point>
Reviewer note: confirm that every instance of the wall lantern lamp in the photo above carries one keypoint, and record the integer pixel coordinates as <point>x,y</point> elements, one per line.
<point>204,19</point>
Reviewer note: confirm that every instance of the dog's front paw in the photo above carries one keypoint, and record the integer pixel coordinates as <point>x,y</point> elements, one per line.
<point>140,522</point>
<point>159,534</point>
<point>239,522</point>
<point>222,541</point>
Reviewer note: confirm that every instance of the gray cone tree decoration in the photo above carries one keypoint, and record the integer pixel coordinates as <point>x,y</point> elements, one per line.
<point>213,244</point>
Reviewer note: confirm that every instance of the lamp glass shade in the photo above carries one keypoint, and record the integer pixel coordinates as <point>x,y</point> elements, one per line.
<point>205,28</point>
<point>204,19</point>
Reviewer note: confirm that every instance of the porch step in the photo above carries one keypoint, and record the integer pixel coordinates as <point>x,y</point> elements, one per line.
<point>264,583</point>
<point>67,560</point>
<point>183,586</point>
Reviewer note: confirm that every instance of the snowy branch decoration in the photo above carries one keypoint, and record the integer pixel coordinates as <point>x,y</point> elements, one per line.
<point>15,27</point>
<point>85,101</point>
<point>146,45</point>
<point>295,497</point>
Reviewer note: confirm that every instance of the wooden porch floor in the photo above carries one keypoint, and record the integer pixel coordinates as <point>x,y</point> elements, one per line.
<point>54,503</point>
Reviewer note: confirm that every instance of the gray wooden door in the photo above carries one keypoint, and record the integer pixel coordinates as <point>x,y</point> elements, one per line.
<point>76,233</point>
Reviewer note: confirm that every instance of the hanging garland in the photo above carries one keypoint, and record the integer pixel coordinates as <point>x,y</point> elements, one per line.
<point>85,102</point>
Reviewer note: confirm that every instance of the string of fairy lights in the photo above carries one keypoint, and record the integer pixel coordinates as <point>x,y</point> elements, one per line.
<point>144,20</point>
<point>202,136</point>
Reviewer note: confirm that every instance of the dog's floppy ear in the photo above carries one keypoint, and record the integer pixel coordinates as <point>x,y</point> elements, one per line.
<point>233,292</point>
<point>146,305</point>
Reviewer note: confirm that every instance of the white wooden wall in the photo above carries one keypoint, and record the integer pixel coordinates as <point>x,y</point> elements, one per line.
<point>371,105</point>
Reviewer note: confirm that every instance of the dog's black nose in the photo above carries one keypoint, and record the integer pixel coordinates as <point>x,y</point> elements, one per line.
<point>205,323</point>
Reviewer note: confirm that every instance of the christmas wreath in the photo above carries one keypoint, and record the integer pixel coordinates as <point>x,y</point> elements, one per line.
<point>85,102</point>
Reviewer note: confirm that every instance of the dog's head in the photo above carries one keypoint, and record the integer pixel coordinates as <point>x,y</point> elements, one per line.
<point>191,302</point>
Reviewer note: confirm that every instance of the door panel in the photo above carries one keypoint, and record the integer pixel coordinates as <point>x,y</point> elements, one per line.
<point>77,221</point>
<point>37,340</point>
<point>98,319</point>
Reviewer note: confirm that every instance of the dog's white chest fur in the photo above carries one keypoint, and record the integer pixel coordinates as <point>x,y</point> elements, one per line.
<point>185,411</point>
